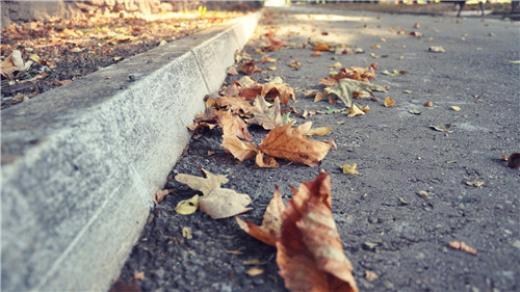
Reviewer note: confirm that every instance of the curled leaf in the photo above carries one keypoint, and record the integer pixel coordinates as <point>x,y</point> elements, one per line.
<point>355,111</point>
<point>269,231</point>
<point>266,115</point>
<point>310,252</point>
<point>216,201</point>
<point>389,102</point>
<point>188,206</point>
<point>265,161</point>
<point>345,88</point>
<point>462,246</point>
<point>233,125</point>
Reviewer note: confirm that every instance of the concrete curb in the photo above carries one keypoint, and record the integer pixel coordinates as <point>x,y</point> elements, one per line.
<point>80,163</point>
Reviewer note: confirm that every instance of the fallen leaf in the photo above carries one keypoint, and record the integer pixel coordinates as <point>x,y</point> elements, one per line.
<point>241,150</point>
<point>354,111</point>
<point>455,108</point>
<point>289,143</point>
<point>235,104</point>
<point>514,62</point>
<point>436,49</point>
<point>253,272</point>
<point>445,128</point>
<point>349,168</point>
<point>267,59</point>
<point>416,25</point>
<point>138,276</point>
<point>265,161</point>
<point>233,125</point>
<point>345,89</point>
<point>321,47</point>
<point>270,230</point>
<point>423,194</point>
<point>295,64</point>
<point>307,129</point>
<point>389,102</point>
<point>248,67</point>
<point>277,88</point>
<point>393,73</point>
<point>356,73</point>
<point>365,108</point>
<point>310,252</point>
<point>460,245</point>
<point>371,276</point>
<point>188,207</point>
<point>428,103</point>
<point>477,183</point>
<point>316,54</point>
<point>266,115</point>
<point>13,63</point>
<point>416,34</point>
<point>414,111</point>
<point>160,195</point>
<point>186,232</point>
<point>514,160</point>
<point>232,71</point>
<point>336,65</point>
<point>216,201</point>
<point>359,51</point>
<point>274,43</point>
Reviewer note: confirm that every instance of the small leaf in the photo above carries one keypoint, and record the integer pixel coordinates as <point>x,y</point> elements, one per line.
<point>389,102</point>
<point>436,49</point>
<point>188,207</point>
<point>428,103</point>
<point>253,272</point>
<point>455,108</point>
<point>460,245</point>
<point>350,169</point>
<point>477,183</point>
<point>186,232</point>
<point>355,111</point>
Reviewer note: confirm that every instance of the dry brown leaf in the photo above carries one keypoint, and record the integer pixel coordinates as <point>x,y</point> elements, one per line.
<point>267,59</point>
<point>289,143</point>
<point>248,67</point>
<point>389,102</point>
<point>232,71</point>
<point>265,161</point>
<point>160,195</point>
<point>216,201</point>
<point>460,245</point>
<point>371,276</point>
<point>274,43</point>
<point>13,63</point>
<point>233,125</point>
<point>295,64</point>
<point>307,129</point>
<point>269,231</point>
<point>138,276</point>
<point>277,88</point>
<point>321,47</point>
<point>428,103</point>
<point>355,111</point>
<point>266,115</point>
<point>235,104</point>
<point>241,150</point>
<point>310,252</point>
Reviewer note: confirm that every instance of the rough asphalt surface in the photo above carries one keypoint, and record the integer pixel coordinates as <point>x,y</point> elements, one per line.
<point>397,155</point>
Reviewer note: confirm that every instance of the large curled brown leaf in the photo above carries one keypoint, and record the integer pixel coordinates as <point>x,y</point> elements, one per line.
<point>269,231</point>
<point>235,104</point>
<point>309,249</point>
<point>290,143</point>
<point>310,252</point>
<point>277,88</point>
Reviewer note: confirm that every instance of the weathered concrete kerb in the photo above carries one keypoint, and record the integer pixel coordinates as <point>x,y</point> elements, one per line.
<point>80,163</point>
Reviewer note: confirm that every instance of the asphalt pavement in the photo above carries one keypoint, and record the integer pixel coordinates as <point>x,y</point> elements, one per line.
<point>385,225</point>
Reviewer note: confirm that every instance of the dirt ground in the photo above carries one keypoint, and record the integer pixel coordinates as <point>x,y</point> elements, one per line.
<point>63,50</point>
<point>386,225</point>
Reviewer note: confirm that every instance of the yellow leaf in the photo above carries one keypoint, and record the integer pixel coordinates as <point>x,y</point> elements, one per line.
<point>455,108</point>
<point>389,102</point>
<point>186,232</point>
<point>350,169</point>
<point>253,272</point>
<point>355,111</point>
<point>188,207</point>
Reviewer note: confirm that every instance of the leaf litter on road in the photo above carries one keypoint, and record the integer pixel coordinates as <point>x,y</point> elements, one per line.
<point>309,251</point>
